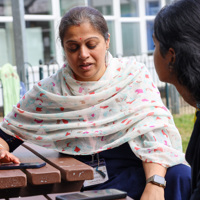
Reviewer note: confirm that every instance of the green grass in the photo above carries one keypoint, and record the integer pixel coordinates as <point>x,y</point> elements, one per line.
<point>185,124</point>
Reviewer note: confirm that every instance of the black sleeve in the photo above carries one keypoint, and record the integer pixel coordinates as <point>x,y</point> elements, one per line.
<point>196,193</point>
<point>13,142</point>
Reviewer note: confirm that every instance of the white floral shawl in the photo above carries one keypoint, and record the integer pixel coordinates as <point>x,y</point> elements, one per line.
<point>82,118</point>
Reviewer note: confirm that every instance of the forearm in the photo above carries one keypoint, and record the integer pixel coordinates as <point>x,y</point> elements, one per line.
<point>3,144</point>
<point>151,169</point>
<point>152,191</point>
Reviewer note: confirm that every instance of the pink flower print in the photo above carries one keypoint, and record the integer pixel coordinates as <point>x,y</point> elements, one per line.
<point>154,138</point>
<point>15,114</point>
<point>81,89</point>
<point>39,100</point>
<point>86,132</point>
<point>93,115</point>
<point>123,121</point>
<point>163,107</point>
<point>58,121</point>
<point>18,137</point>
<point>41,94</point>
<point>39,83</point>
<point>164,133</point>
<point>68,144</point>
<point>138,91</point>
<point>130,102</point>
<point>145,100</point>
<point>102,138</point>
<point>158,149</point>
<point>61,108</point>
<point>136,148</point>
<point>128,122</point>
<point>147,76</point>
<point>67,134</point>
<point>150,114</point>
<point>118,88</point>
<point>21,111</point>
<point>38,121</point>
<point>119,69</point>
<point>103,107</point>
<point>65,121</point>
<point>77,149</point>
<point>38,109</point>
<point>53,84</point>
<point>39,138</point>
<point>153,85</point>
<point>165,143</point>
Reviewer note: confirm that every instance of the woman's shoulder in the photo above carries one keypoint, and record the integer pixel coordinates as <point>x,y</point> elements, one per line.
<point>50,82</point>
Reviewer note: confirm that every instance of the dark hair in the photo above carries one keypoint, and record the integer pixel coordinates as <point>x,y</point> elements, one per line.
<point>177,26</point>
<point>79,15</point>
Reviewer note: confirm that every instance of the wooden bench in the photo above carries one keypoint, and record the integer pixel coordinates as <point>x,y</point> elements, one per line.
<point>62,174</point>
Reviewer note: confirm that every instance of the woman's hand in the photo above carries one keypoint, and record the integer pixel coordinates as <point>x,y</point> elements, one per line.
<point>153,192</point>
<point>6,157</point>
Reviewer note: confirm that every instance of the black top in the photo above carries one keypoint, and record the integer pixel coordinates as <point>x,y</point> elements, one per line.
<point>193,158</point>
<point>13,142</point>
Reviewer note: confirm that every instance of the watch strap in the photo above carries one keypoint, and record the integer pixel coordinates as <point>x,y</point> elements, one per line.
<point>157,180</point>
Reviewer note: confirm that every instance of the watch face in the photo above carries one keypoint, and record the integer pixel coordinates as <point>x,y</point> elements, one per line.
<point>159,179</point>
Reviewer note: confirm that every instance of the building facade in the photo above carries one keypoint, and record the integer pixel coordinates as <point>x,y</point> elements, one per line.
<point>130,25</point>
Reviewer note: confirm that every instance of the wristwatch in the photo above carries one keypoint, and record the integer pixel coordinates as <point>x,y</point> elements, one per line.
<point>157,180</point>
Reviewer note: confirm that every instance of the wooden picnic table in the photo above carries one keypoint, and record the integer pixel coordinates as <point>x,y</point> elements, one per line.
<point>61,174</point>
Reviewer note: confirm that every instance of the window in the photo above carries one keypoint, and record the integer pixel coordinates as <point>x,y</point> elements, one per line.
<point>7,44</point>
<point>152,7</point>
<point>66,5</point>
<point>129,8</point>
<point>38,7</point>
<point>104,6</point>
<point>111,29</point>
<point>40,41</point>
<point>5,8</point>
<point>149,36</point>
<point>131,39</point>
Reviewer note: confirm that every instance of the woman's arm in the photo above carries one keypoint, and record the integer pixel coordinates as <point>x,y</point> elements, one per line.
<point>152,191</point>
<point>5,155</point>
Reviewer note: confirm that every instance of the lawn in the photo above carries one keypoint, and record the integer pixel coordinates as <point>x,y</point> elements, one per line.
<point>184,123</point>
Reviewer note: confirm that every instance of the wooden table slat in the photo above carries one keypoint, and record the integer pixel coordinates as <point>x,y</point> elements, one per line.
<point>44,175</point>
<point>12,179</point>
<point>39,197</point>
<point>70,168</point>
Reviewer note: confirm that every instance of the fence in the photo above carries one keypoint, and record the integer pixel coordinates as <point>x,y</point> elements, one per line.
<point>169,94</point>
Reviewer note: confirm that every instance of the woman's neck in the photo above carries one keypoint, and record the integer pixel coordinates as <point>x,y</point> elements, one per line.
<point>187,96</point>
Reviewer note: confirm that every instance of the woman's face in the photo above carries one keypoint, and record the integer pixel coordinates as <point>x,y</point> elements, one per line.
<point>85,50</point>
<point>161,63</point>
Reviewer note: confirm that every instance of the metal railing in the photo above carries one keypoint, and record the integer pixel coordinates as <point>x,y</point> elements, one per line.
<point>171,98</point>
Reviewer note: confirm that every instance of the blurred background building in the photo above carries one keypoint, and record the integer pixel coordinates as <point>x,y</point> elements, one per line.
<point>130,24</point>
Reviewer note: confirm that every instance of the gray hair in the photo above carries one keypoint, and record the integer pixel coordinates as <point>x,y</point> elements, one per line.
<point>79,15</point>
